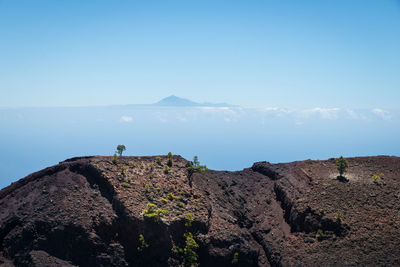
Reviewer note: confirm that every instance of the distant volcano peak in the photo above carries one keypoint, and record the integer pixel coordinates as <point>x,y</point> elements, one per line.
<point>173,100</point>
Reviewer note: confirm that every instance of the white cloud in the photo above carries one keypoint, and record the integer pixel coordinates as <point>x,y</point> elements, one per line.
<point>324,113</point>
<point>126,119</point>
<point>355,115</point>
<point>224,110</point>
<point>385,115</point>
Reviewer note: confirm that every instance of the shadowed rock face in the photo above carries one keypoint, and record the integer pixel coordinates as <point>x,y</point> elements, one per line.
<point>91,212</point>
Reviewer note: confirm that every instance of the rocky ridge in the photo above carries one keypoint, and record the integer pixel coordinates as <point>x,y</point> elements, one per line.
<point>91,211</point>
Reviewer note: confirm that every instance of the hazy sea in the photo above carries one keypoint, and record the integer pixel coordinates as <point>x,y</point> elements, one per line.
<point>224,138</point>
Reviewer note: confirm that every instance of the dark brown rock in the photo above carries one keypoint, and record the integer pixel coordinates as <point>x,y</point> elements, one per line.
<point>89,212</point>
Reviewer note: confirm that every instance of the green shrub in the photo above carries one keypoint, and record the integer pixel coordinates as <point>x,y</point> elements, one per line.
<point>375,178</point>
<point>164,200</point>
<point>152,166</point>
<point>176,250</point>
<point>320,233</point>
<point>169,162</point>
<point>196,167</point>
<point>114,159</point>
<point>123,169</point>
<point>188,220</point>
<point>342,165</point>
<point>190,257</point>
<point>146,187</point>
<point>158,160</point>
<point>235,259</point>
<point>125,184</point>
<point>120,149</point>
<point>309,169</point>
<point>181,205</point>
<point>166,169</point>
<point>153,213</point>
<point>172,196</point>
<point>132,164</point>
<point>142,243</point>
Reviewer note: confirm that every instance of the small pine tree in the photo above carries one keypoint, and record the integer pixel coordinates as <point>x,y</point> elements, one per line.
<point>196,167</point>
<point>169,162</point>
<point>196,161</point>
<point>114,159</point>
<point>342,165</point>
<point>120,149</point>
<point>123,169</point>
<point>190,257</point>
<point>166,169</point>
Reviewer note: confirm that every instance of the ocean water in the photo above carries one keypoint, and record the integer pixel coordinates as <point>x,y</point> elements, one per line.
<point>224,138</point>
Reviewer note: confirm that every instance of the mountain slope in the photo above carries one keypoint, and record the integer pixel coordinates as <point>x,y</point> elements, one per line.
<point>92,212</point>
<point>176,101</point>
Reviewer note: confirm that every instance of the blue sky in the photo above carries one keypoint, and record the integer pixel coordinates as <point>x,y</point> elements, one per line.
<point>254,53</point>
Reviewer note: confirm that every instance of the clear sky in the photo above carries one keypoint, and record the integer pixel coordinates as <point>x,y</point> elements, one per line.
<point>338,53</point>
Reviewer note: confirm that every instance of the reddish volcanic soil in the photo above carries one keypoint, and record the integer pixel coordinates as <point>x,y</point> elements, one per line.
<point>91,212</point>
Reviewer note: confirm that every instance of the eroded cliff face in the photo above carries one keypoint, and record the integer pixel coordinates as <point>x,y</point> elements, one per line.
<point>93,212</point>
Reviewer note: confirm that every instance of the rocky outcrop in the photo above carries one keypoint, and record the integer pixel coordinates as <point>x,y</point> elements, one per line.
<point>91,211</point>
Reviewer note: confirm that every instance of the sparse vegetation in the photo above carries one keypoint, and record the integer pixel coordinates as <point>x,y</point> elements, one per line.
<point>152,166</point>
<point>125,184</point>
<point>166,169</point>
<point>190,257</point>
<point>132,164</point>
<point>120,149</point>
<point>158,160</point>
<point>147,187</point>
<point>181,205</point>
<point>342,165</point>
<point>376,177</point>
<point>196,167</point>
<point>188,220</point>
<point>142,243</point>
<point>309,169</point>
<point>114,159</point>
<point>164,200</point>
<point>235,259</point>
<point>152,212</point>
<point>123,169</point>
<point>171,196</point>
<point>169,162</point>
<point>176,249</point>
<point>320,233</point>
